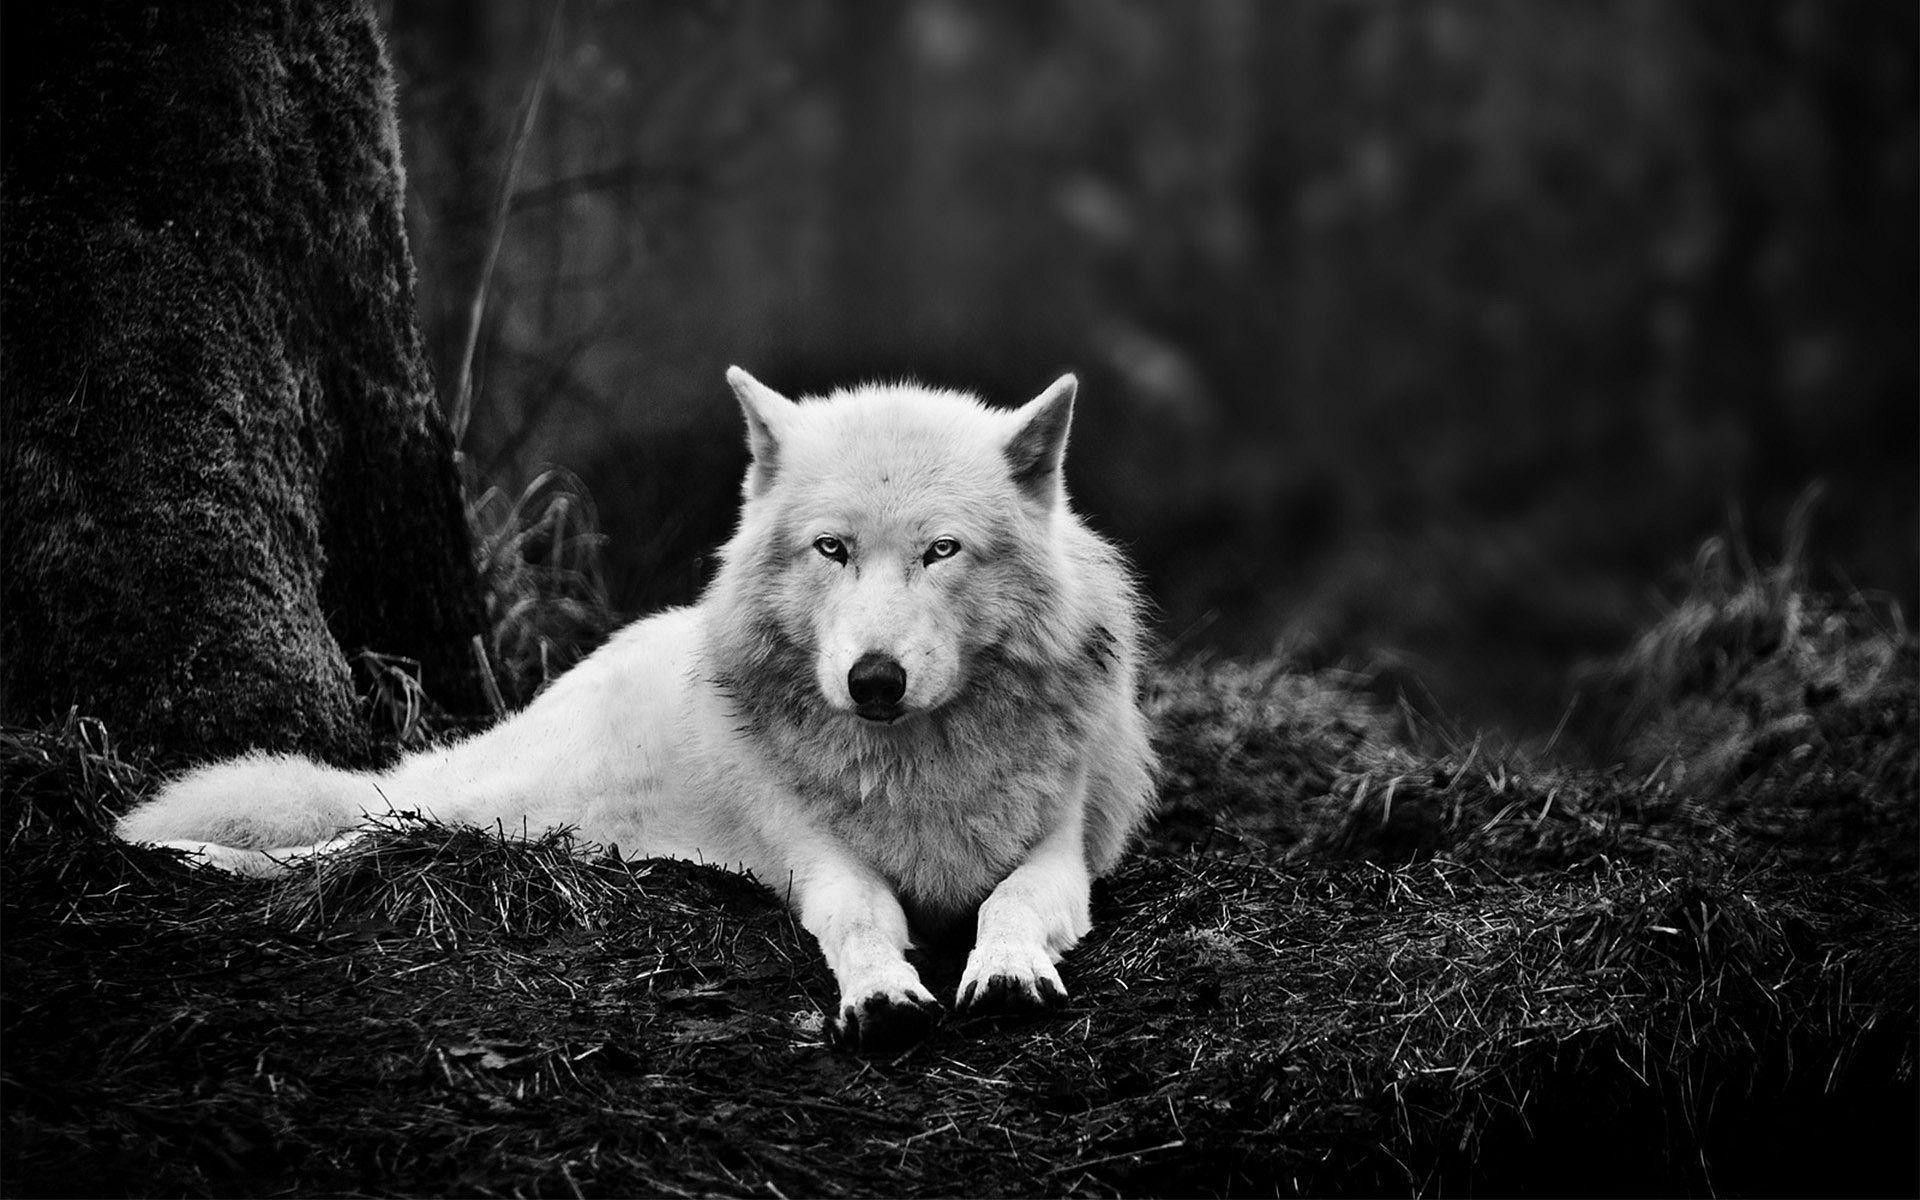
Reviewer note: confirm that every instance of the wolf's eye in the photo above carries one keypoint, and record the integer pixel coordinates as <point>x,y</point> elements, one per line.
<point>831,547</point>
<point>942,548</point>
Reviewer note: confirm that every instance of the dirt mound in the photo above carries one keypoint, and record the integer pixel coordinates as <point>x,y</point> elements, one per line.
<point>1355,957</point>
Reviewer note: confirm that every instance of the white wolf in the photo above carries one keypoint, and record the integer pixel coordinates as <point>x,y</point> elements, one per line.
<point>909,696</point>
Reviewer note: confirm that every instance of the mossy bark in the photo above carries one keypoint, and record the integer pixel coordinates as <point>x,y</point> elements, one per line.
<point>224,470</point>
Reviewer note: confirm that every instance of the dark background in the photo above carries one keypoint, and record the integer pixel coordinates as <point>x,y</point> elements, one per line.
<point>1432,337</point>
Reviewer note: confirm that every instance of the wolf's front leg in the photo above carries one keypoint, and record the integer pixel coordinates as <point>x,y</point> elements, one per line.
<point>855,916</point>
<point>1033,917</point>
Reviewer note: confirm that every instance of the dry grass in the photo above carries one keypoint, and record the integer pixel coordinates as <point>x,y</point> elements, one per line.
<point>1356,956</point>
<point>540,566</point>
<point>1745,662</point>
<point>450,884</point>
<point>393,699</point>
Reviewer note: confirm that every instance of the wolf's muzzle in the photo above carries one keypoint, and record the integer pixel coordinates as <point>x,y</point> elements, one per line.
<point>876,685</point>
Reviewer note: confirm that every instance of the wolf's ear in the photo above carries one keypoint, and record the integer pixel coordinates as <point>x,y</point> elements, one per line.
<point>767,413</point>
<point>1039,443</point>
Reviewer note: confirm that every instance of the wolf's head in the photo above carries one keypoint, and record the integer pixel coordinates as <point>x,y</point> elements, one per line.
<point>892,538</point>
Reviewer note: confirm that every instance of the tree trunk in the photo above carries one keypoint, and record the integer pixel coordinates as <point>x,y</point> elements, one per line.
<point>224,470</point>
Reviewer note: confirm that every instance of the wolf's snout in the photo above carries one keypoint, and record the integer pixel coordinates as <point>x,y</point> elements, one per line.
<point>876,684</point>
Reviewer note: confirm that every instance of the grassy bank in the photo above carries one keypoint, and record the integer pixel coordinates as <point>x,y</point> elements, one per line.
<point>1357,954</point>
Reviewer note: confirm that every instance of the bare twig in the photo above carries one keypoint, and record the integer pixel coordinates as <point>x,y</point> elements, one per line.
<point>503,204</point>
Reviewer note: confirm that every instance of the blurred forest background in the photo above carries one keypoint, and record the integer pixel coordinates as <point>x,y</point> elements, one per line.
<point>1428,336</point>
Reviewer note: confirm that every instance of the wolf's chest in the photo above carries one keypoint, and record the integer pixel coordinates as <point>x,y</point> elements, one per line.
<point>944,840</point>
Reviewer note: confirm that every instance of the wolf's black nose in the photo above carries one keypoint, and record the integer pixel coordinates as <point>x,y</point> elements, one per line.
<point>876,682</point>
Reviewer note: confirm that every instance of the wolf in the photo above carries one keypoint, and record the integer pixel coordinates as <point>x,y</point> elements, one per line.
<point>909,699</point>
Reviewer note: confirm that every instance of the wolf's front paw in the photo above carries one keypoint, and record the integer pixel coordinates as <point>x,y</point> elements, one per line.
<point>1009,979</point>
<point>883,1022</point>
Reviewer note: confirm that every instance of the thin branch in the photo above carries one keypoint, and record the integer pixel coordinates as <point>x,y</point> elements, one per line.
<point>523,133</point>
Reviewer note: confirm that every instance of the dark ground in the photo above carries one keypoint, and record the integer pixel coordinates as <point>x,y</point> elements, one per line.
<point>1354,957</point>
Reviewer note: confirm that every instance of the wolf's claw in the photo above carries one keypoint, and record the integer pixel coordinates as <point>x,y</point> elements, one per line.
<point>881,1024</point>
<point>1006,976</point>
<point>1008,994</point>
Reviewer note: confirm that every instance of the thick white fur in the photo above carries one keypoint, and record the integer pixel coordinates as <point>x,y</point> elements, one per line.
<point>725,733</point>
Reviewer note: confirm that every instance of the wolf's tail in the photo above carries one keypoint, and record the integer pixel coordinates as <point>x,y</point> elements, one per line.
<point>273,803</point>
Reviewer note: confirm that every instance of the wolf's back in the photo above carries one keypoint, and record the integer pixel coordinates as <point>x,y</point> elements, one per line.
<point>258,802</point>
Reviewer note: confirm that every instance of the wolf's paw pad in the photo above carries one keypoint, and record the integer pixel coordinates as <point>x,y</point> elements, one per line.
<point>884,1024</point>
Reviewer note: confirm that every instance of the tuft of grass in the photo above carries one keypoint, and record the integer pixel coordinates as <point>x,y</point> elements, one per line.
<point>1744,663</point>
<point>393,700</point>
<point>539,558</point>
<point>1840,791</point>
<point>450,883</point>
<point>1794,714</point>
<point>64,779</point>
